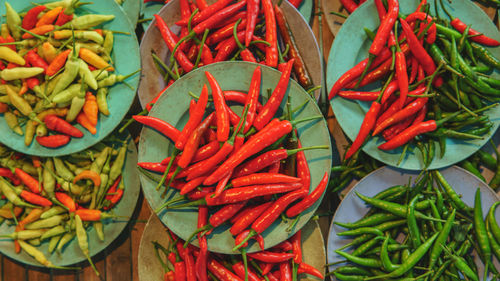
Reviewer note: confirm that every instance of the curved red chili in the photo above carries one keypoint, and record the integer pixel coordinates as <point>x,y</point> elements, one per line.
<point>310,199</point>
<point>221,272</point>
<point>431,33</point>
<point>239,269</point>
<point>201,260</point>
<point>296,241</point>
<point>367,125</point>
<point>252,13</point>
<point>285,271</point>
<point>193,142</point>
<point>408,134</point>
<point>161,126</point>
<point>30,182</point>
<point>358,95</point>
<point>60,125</point>
<point>218,17</point>
<point>252,100</point>
<point>7,173</point>
<point>402,114</point>
<point>220,108</point>
<point>191,185</point>
<point>263,178</point>
<point>309,269</point>
<point>249,216</point>
<point>31,17</point>
<point>271,257</point>
<point>385,28</point>
<point>389,90</point>
<point>209,11</point>
<point>194,119</point>
<point>474,34</point>
<point>349,5</point>
<point>271,34</point>
<point>153,166</point>
<point>53,141</point>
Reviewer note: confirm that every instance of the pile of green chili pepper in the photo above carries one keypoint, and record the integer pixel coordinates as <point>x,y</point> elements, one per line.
<point>281,262</point>
<point>438,82</point>
<point>58,64</point>
<point>52,200</point>
<point>424,232</point>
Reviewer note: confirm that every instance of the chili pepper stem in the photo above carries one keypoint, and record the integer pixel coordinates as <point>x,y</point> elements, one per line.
<point>251,234</point>
<point>169,166</point>
<point>363,74</point>
<point>201,229</point>
<point>295,122</point>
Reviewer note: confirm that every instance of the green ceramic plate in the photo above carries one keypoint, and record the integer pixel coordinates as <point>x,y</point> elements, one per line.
<point>173,106</point>
<point>126,60</point>
<point>132,9</point>
<point>351,46</point>
<point>72,253</point>
<point>152,82</point>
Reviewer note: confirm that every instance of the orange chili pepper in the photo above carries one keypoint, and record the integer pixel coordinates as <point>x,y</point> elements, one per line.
<point>24,88</point>
<point>90,108</point>
<point>49,52</point>
<point>33,215</point>
<point>49,17</point>
<point>3,107</point>
<point>92,58</point>
<point>88,174</point>
<point>6,213</point>
<point>36,161</point>
<point>98,31</point>
<point>39,30</point>
<point>84,121</point>
<point>57,63</point>
<point>66,200</point>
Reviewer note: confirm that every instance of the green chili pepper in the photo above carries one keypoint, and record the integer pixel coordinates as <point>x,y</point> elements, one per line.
<point>87,21</point>
<point>108,43</point>
<point>11,120</point>
<point>55,231</point>
<point>13,21</point>
<point>71,69</point>
<point>102,102</point>
<point>361,230</point>
<point>66,95</point>
<point>382,227</point>
<point>100,74</point>
<point>86,75</point>
<point>480,229</point>
<point>344,277</point>
<point>20,73</point>
<point>348,269</point>
<point>53,243</point>
<point>56,210</point>
<point>117,167</point>
<point>25,234</point>
<point>485,55</point>
<point>64,240</point>
<point>467,165</point>
<point>368,221</point>
<point>368,262</point>
<point>81,235</point>
<point>459,204</point>
<point>99,162</point>
<point>414,232</point>
<point>384,256</point>
<point>98,229</point>
<point>48,222</point>
<point>11,195</point>
<point>113,79</point>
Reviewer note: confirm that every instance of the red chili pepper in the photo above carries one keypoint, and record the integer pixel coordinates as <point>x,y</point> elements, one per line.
<point>420,115</point>
<point>274,168</point>
<point>161,126</point>
<point>150,104</point>
<point>201,260</point>
<point>390,132</point>
<point>199,194</point>
<point>240,15</point>
<point>263,178</point>
<point>91,214</point>
<point>201,4</point>
<point>194,119</point>
<point>391,88</point>
<point>202,153</point>
<point>252,100</point>
<point>296,3</point>
<point>380,9</point>
<point>249,216</point>
<point>285,271</point>
<point>402,76</point>
<point>385,28</point>
<point>243,236</point>
<point>31,17</point>
<point>180,271</point>
<point>375,75</point>
<point>28,181</point>
<point>7,173</point>
<point>34,199</point>
<point>252,14</point>
<point>57,63</point>
<point>153,166</point>
<point>414,70</point>
<point>32,82</point>
<point>296,241</point>
<point>209,11</point>
<point>410,110</point>
<point>220,108</point>
<point>190,267</point>
<point>349,5</point>
<point>218,18</point>
<point>260,140</point>
<point>272,105</point>
<point>57,124</point>
<point>481,39</point>
<point>239,269</point>
<point>310,199</point>
<point>227,47</point>
<point>209,164</point>
<point>419,52</point>
<point>272,277</point>
<point>431,33</point>
<point>221,272</point>
<point>193,142</point>
<point>271,34</point>
<point>309,269</point>
<point>395,106</point>
<point>358,95</point>
<point>246,55</point>
<point>63,18</point>
<point>224,33</point>
<point>35,60</point>
<point>171,41</point>
<point>66,200</point>
<point>271,257</point>
<point>408,134</point>
<point>113,189</point>
<point>239,97</point>
<point>367,125</point>
<point>191,185</point>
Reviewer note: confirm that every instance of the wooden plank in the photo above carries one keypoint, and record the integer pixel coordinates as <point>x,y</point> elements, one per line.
<point>38,274</point>
<point>136,235</point>
<point>88,274</point>
<point>12,269</point>
<point>118,262</point>
<point>63,275</point>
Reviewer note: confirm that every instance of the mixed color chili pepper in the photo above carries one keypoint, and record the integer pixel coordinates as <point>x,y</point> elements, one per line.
<point>59,71</point>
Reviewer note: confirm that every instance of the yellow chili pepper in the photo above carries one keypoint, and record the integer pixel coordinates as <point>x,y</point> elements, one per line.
<point>12,122</point>
<point>30,132</point>
<point>92,58</point>
<point>11,56</point>
<point>20,73</point>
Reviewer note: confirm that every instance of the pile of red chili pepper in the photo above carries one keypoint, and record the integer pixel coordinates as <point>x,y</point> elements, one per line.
<point>239,177</point>
<point>436,81</point>
<point>282,262</point>
<point>54,199</point>
<point>228,30</point>
<point>55,68</point>
<point>424,232</point>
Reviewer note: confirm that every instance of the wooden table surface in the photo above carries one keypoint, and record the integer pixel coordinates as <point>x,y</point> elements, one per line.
<point>118,262</point>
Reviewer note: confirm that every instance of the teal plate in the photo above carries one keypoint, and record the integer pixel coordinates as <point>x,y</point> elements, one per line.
<point>71,253</point>
<point>151,8</point>
<point>120,97</point>
<point>351,46</point>
<point>173,107</point>
<point>132,9</point>
<point>353,208</point>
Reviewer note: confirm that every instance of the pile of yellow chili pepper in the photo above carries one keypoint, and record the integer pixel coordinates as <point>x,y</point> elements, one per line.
<point>55,199</point>
<point>55,63</point>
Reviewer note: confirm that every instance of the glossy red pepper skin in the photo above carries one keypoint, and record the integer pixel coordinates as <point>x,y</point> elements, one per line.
<point>35,60</point>
<point>159,125</point>
<point>225,213</point>
<point>367,125</point>
<point>252,14</point>
<point>309,269</point>
<point>204,152</point>
<point>227,47</point>
<point>193,142</point>
<point>34,199</point>
<point>112,198</point>
<point>218,17</point>
<point>220,108</point>
<point>391,110</point>
<point>310,199</point>
<point>390,132</point>
<point>180,271</point>
<point>296,241</point>
<point>260,162</point>
<point>375,75</point>
<point>420,53</point>
<point>7,173</point>
<point>252,100</point>
<point>60,125</point>
<point>53,141</point>
<point>402,77</point>
<point>32,82</point>
<point>191,185</point>
<point>190,266</point>
<point>152,166</point>
<point>269,109</point>
<point>432,31</point>
<point>259,141</point>
<point>246,55</point>
<point>209,11</point>
<point>224,33</point>
<point>389,90</point>
<point>201,4</point>
<point>66,200</point>
<point>271,257</point>
<point>349,5</point>
<point>31,17</point>
<point>199,194</point>
<point>271,34</point>
<point>239,194</point>
<point>201,260</point>
<point>385,28</point>
<point>358,95</point>
<point>208,164</point>
<point>194,119</point>
<point>171,41</point>
<point>62,18</point>
<point>239,97</point>
<point>244,234</point>
<point>239,269</point>
<point>263,178</point>
<point>285,271</point>
<point>408,111</point>
<point>221,272</point>
<point>481,39</point>
<point>414,70</point>
<point>243,222</point>
<point>408,134</point>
